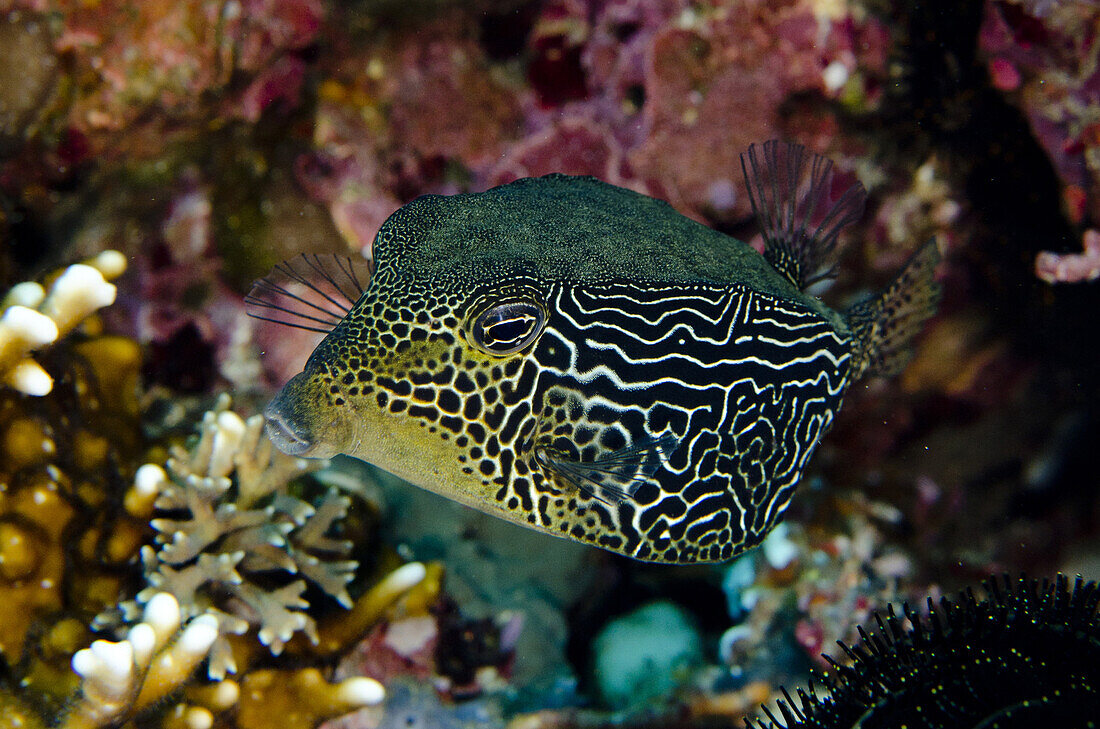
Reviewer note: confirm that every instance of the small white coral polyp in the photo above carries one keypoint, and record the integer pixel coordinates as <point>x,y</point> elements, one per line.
<point>34,318</point>
<point>226,525</point>
<point>156,658</point>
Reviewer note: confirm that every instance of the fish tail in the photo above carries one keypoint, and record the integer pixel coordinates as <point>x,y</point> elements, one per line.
<point>793,196</point>
<point>884,326</point>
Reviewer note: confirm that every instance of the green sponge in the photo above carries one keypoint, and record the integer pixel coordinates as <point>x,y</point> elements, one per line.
<point>644,655</point>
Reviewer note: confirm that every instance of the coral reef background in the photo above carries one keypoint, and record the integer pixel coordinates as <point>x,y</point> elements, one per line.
<point>157,156</point>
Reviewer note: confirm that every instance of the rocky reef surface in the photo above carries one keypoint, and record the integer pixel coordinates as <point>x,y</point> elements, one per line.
<point>162,566</point>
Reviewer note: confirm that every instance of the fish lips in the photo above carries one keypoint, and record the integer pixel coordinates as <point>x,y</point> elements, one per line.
<point>285,436</point>
<point>293,431</point>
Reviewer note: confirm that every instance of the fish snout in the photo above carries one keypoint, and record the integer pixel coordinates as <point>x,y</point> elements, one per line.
<point>288,438</point>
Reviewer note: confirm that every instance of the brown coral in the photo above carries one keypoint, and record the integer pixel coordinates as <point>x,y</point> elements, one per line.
<point>31,561</point>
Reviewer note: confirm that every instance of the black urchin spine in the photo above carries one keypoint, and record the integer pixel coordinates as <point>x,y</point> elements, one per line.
<point>1026,655</point>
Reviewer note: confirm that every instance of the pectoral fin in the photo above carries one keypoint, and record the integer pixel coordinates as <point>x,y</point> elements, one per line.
<point>615,476</point>
<point>313,291</point>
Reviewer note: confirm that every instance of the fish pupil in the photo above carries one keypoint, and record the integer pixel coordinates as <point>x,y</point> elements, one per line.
<point>509,327</point>
<point>508,331</point>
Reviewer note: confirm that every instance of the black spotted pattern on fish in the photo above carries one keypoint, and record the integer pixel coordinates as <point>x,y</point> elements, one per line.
<point>583,360</point>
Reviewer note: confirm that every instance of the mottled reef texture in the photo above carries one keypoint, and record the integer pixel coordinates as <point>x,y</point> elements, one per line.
<point>206,140</point>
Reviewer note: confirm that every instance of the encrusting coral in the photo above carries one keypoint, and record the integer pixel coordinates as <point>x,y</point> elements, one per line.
<point>242,527</point>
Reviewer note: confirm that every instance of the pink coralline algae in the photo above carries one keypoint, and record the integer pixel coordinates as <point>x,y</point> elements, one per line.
<point>445,101</point>
<point>1046,59</point>
<point>264,29</point>
<point>1047,66</point>
<point>1071,267</point>
<point>683,88</point>
<point>573,146</point>
<point>447,658</point>
<point>660,97</point>
<point>280,82</point>
<point>406,115</point>
<point>148,68</point>
<point>405,647</point>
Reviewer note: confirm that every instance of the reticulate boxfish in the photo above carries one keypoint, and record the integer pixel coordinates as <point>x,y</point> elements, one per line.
<point>581,359</point>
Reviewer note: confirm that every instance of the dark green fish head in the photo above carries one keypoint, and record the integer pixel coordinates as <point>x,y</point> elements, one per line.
<point>581,359</point>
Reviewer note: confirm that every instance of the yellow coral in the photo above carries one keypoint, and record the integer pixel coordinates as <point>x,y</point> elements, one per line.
<point>116,362</point>
<point>62,451</point>
<point>32,563</point>
<point>14,713</point>
<point>156,658</point>
<point>34,318</point>
<point>341,630</point>
<point>49,677</point>
<point>300,699</point>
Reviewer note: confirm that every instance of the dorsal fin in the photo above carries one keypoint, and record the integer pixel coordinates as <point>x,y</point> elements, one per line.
<point>313,291</point>
<point>791,192</point>
<point>884,325</point>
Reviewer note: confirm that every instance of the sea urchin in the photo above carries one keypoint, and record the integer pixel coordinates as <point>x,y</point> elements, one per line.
<point>1028,655</point>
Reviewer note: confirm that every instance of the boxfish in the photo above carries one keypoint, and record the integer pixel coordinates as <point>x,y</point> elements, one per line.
<point>582,359</point>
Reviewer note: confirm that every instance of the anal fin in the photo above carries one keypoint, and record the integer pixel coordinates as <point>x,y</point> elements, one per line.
<point>793,193</point>
<point>615,476</point>
<point>884,326</point>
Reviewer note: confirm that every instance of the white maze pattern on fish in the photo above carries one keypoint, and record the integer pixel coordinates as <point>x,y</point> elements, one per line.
<point>747,383</point>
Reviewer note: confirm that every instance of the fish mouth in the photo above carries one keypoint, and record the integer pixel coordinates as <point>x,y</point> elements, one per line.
<point>284,435</point>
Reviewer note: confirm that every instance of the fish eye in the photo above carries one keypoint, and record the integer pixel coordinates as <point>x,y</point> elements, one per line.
<point>507,328</point>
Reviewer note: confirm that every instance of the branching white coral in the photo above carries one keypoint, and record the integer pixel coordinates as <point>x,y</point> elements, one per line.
<point>34,318</point>
<point>227,525</point>
<point>156,658</point>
